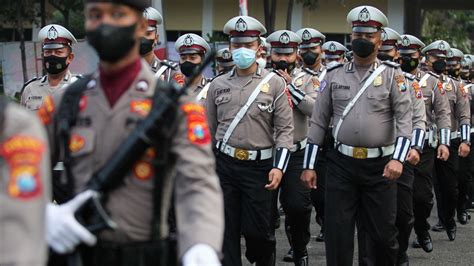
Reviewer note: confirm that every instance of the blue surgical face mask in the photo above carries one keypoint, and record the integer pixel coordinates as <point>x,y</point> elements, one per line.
<point>243,57</point>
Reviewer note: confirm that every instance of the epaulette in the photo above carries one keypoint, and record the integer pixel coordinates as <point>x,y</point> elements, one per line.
<point>170,64</point>
<point>310,71</point>
<point>335,66</point>
<point>28,83</point>
<point>392,64</point>
<point>433,74</point>
<point>409,76</point>
<point>78,76</point>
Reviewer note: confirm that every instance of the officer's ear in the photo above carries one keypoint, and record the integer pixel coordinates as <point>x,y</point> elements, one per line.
<point>70,58</point>
<point>157,38</point>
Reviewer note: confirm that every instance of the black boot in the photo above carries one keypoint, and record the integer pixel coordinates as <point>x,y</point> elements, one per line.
<point>451,232</point>
<point>425,242</point>
<point>303,261</point>
<point>438,227</point>
<point>289,256</point>
<point>463,217</point>
<point>270,261</point>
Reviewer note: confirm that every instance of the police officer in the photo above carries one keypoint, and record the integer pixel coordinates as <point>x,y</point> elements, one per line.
<point>436,54</point>
<point>359,96</point>
<point>310,49</point>
<point>165,69</point>
<point>438,123</point>
<point>333,52</point>
<point>405,219</point>
<point>263,57</point>
<point>57,56</point>
<point>455,64</point>
<point>25,186</point>
<point>113,101</point>
<point>224,61</point>
<point>250,118</point>
<point>192,49</point>
<point>311,55</point>
<point>303,85</point>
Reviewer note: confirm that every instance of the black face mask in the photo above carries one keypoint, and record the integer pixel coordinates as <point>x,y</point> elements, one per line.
<point>439,66</point>
<point>309,58</point>
<point>283,65</point>
<point>465,75</point>
<point>187,68</point>
<point>146,46</point>
<point>362,47</point>
<point>409,64</point>
<point>454,72</point>
<point>55,64</point>
<point>384,57</point>
<point>112,43</point>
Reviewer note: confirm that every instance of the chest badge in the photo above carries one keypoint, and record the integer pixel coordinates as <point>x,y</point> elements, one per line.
<point>378,81</point>
<point>299,82</point>
<point>265,88</point>
<point>448,86</point>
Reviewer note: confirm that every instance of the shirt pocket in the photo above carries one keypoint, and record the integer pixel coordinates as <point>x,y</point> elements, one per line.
<point>263,106</point>
<point>428,97</point>
<point>81,142</point>
<point>224,107</point>
<point>340,98</point>
<point>379,100</point>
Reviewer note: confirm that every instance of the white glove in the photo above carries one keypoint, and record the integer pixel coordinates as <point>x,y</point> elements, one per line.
<point>201,255</point>
<point>63,231</point>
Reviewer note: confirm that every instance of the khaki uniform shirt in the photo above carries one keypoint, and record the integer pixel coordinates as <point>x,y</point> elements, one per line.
<point>195,89</point>
<point>382,113</point>
<point>436,102</point>
<point>25,188</point>
<point>306,81</point>
<point>416,94</point>
<point>100,130</point>
<point>168,74</point>
<point>37,89</point>
<point>458,102</point>
<point>269,115</point>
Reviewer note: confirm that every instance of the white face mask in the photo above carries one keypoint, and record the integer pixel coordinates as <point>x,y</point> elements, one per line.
<point>262,63</point>
<point>243,57</point>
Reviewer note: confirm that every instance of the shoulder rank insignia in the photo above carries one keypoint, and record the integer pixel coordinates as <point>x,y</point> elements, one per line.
<point>441,88</point>
<point>198,130</point>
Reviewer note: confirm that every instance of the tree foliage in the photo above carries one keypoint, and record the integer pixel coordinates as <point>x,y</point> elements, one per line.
<point>454,26</point>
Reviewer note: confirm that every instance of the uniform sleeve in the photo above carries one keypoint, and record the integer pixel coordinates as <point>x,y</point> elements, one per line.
<point>24,96</point>
<point>319,123</point>
<point>307,104</point>
<point>403,113</point>
<point>46,114</point>
<point>463,112</point>
<point>211,111</point>
<point>198,195</point>
<point>419,116</point>
<point>26,152</point>
<point>441,109</point>
<point>282,117</point>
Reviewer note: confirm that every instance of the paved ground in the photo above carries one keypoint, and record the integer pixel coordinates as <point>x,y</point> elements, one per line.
<point>459,252</point>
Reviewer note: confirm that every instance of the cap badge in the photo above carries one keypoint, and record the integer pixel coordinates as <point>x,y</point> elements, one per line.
<point>241,25</point>
<point>441,46</point>
<point>226,55</point>
<point>188,40</point>
<point>364,15</point>
<point>384,35</point>
<point>450,54</point>
<point>52,33</point>
<point>306,35</point>
<point>332,48</point>
<point>405,41</point>
<point>284,38</point>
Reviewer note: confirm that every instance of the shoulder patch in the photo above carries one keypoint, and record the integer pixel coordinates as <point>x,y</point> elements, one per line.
<point>335,66</point>
<point>23,154</point>
<point>179,79</point>
<point>46,110</point>
<point>392,64</point>
<point>198,130</point>
<point>417,89</point>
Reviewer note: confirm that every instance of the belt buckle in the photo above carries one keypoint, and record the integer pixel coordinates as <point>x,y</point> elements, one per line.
<point>360,153</point>
<point>241,154</point>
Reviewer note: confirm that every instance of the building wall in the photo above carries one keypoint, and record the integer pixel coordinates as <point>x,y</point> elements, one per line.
<point>330,16</point>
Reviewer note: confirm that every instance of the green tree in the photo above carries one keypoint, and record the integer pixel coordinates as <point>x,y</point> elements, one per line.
<point>68,9</point>
<point>454,26</point>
